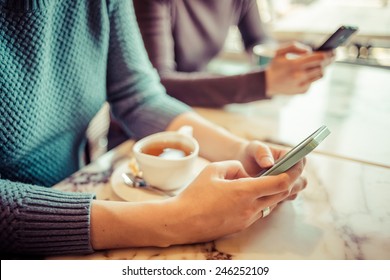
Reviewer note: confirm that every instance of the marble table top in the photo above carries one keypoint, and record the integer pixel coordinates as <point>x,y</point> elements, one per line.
<point>352,100</point>
<point>344,213</point>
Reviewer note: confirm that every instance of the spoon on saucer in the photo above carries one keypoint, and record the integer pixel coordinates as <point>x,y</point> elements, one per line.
<point>138,182</point>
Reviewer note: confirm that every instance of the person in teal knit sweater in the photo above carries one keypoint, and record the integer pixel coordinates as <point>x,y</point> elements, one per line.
<point>59,62</point>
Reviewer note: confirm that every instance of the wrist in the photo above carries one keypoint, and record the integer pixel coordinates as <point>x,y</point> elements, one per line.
<point>269,92</point>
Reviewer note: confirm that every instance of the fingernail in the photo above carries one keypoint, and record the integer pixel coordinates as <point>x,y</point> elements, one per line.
<point>266,161</point>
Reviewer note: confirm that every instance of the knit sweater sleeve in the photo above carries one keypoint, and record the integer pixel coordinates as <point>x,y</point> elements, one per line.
<point>137,98</point>
<point>43,221</point>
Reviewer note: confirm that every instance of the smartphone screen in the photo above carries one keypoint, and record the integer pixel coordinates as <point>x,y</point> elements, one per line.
<point>298,152</point>
<point>338,38</point>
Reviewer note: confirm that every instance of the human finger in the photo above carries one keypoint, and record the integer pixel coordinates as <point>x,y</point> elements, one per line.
<point>263,212</point>
<point>294,47</point>
<point>309,61</point>
<point>299,185</point>
<point>228,170</point>
<point>265,186</point>
<point>311,76</point>
<point>289,194</point>
<point>270,185</point>
<point>329,54</point>
<point>263,154</point>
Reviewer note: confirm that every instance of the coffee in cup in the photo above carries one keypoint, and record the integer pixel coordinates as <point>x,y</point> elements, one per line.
<point>168,150</point>
<point>167,159</point>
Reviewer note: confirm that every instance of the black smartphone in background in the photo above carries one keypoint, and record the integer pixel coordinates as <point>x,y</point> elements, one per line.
<point>339,37</point>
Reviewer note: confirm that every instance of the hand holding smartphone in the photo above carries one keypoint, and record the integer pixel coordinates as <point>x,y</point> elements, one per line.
<point>339,37</point>
<point>297,153</point>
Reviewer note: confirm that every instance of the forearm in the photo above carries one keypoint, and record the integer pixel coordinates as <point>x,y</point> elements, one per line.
<point>123,224</point>
<point>216,143</point>
<point>211,90</point>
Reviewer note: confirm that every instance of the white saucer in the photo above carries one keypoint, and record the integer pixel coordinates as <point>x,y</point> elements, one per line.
<point>129,193</point>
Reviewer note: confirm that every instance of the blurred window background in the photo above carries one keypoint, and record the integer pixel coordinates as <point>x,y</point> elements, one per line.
<point>312,21</point>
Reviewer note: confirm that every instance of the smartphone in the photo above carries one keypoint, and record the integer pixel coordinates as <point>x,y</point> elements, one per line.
<point>338,38</point>
<point>298,152</point>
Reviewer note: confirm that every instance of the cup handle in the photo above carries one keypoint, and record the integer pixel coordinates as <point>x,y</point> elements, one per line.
<point>186,130</point>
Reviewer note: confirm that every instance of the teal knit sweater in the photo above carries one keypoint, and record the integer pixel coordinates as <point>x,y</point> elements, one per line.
<point>59,62</point>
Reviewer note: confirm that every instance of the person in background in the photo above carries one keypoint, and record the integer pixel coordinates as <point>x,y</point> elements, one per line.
<point>183,36</point>
<point>60,61</point>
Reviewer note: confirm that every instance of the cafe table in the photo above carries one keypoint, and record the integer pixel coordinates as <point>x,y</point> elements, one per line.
<point>344,213</point>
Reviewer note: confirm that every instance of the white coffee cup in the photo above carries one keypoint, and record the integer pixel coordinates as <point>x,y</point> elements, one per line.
<point>263,54</point>
<point>171,168</point>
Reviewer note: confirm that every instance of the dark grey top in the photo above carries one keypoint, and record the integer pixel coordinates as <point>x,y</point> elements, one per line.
<point>182,36</point>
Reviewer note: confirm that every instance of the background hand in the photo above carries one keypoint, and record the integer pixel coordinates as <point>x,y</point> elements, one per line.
<point>294,68</point>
